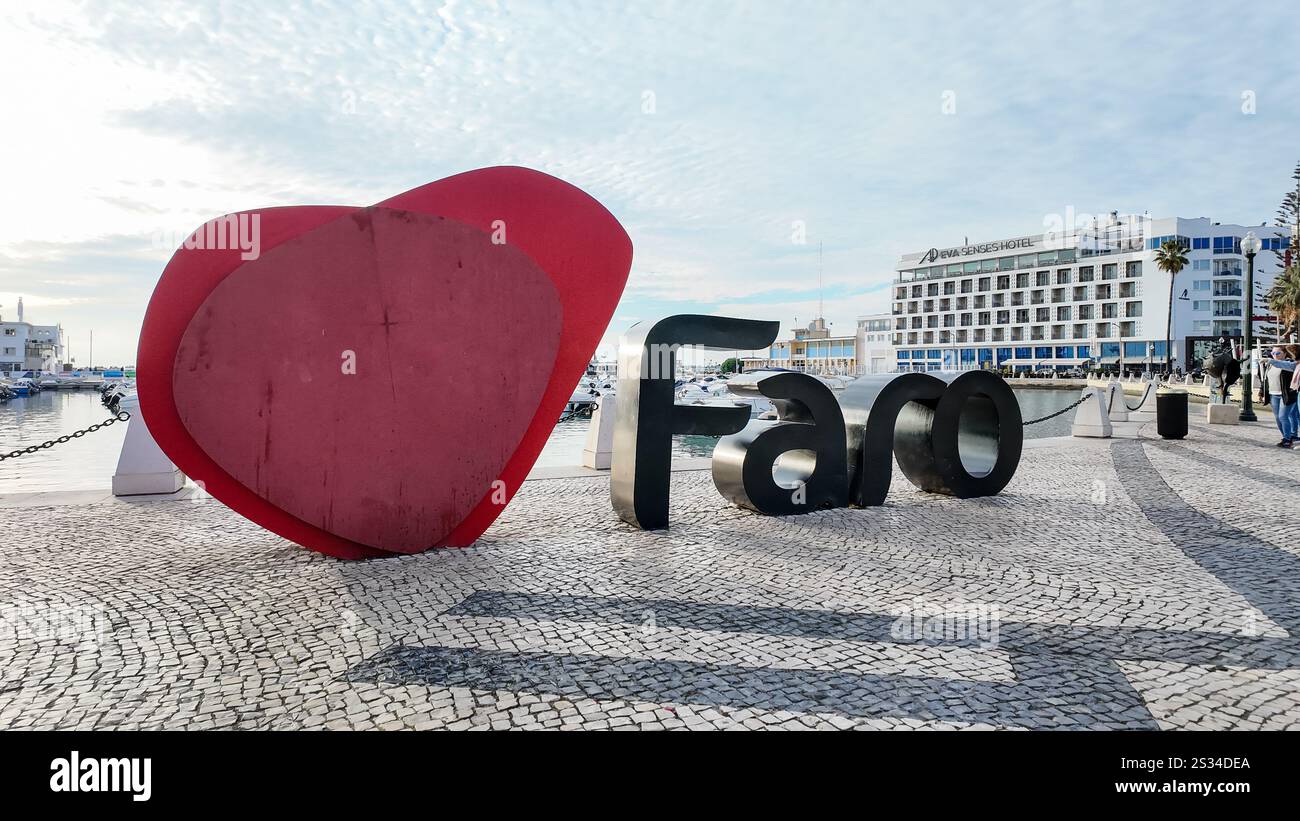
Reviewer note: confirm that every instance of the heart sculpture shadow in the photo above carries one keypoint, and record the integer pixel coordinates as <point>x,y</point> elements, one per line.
<point>375,381</point>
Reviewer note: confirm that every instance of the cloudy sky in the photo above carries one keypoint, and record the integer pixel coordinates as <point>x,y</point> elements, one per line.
<point>712,131</point>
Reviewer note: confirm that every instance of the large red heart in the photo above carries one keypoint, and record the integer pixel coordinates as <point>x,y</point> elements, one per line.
<point>470,307</point>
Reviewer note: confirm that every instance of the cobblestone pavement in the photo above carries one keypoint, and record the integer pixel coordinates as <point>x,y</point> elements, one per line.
<point>1114,584</point>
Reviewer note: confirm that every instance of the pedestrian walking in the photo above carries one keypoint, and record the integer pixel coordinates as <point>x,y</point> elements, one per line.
<point>1276,390</point>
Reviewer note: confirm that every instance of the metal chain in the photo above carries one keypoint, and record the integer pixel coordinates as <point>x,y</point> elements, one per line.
<point>1058,413</point>
<point>120,416</point>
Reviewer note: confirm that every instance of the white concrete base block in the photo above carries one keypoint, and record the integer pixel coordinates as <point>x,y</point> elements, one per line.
<point>142,468</point>
<point>1116,407</point>
<point>1146,411</point>
<point>1222,414</point>
<point>598,453</point>
<point>1091,419</point>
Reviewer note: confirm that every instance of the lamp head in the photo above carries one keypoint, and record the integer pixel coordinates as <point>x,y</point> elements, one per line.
<point>1250,244</point>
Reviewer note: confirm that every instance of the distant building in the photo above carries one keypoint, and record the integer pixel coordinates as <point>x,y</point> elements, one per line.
<point>28,347</point>
<point>812,350</point>
<point>1092,296</point>
<point>875,352</point>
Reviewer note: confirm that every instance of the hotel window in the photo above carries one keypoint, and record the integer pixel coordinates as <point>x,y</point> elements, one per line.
<point>1110,311</point>
<point>984,318</point>
<point>1103,292</point>
<point>1201,264</point>
<point>988,265</point>
<point>928,306</point>
<point>1086,311</point>
<point>1201,285</point>
<point>980,301</point>
<point>1133,269</point>
<point>986,283</point>
<point>967,285</point>
<point>1043,279</point>
<point>954,269</point>
<point>1200,243</point>
<point>1081,331</point>
<point>1043,315</point>
<point>945,304</point>
<point>971,268</point>
<point>1201,326</point>
<point>1227,267</point>
<point>1026,260</point>
<point>1063,276</point>
<point>1128,329</point>
<point>1157,242</point>
<point>1022,316</point>
<point>1128,290</point>
<point>916,291</point>
<point>1006,264</point>
<point>1004,282</point>
<point>1110,271</point>
<point>901,293</point>
<point>1085,273</point>
<point>1063,313</point>
<point>1022,280</point>
<point>950,287</point>
<point>1004,317</point>
<point>1047,258</point>
<point>933,289</point>
<point>965,320</point>
<point>1201,305</point>
<point>1133,309</point>
<point>1227,245</point>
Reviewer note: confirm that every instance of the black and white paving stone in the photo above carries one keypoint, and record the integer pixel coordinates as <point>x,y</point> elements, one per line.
<point>1114,584</point>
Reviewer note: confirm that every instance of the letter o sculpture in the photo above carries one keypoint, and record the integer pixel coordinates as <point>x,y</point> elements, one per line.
<point>967,442</point>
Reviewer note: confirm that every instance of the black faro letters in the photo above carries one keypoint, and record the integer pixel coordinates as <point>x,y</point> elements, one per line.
<point>958,434</point>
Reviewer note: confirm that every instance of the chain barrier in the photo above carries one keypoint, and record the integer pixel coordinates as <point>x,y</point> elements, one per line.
<point>120,416</point>
<point>1058,413</point>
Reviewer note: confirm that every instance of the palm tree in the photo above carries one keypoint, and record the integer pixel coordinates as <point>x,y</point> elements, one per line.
<point>1284,298</point>
<point>1171,257</point>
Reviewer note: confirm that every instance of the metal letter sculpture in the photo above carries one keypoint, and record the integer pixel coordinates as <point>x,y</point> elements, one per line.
<point>647,417</point>
<point>465,310</point>
<point>810,421</point>
<point>962,438</point>
<point>956,434</point>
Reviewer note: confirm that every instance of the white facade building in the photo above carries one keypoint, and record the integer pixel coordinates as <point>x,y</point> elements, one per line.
<point>1092,296</point>
<point>875,343</point>
<point>28,347</point>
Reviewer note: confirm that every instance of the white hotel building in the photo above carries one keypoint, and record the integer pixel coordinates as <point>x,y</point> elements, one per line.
<point>1090,296</point>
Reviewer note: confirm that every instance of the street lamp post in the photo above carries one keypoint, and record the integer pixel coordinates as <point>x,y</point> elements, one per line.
<point>1250,245</point>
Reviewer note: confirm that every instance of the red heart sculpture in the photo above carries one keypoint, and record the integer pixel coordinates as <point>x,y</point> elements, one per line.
<point>468,309</point>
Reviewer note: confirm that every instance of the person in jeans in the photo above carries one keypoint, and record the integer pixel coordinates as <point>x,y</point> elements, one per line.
<point>1280,394</point>
<point>1293,356</point>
